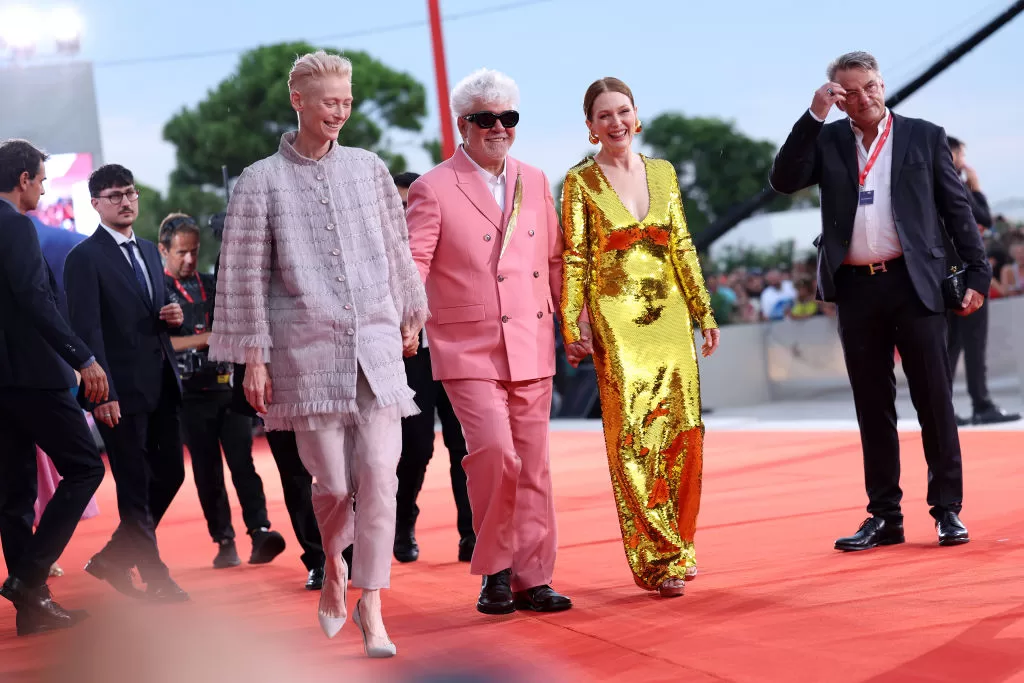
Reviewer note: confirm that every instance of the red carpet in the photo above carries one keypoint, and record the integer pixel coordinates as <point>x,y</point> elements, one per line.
<point>773,601</point>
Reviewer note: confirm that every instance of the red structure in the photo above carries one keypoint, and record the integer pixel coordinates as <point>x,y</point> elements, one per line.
<point>441,71</point>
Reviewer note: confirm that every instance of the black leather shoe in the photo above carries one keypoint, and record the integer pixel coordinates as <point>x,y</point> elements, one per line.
<point>951,530</point>
<point>227,555</point>
<point>118,577</point>
<point>37,611</point>
<point>315,580</point>
<point>961,421</point>
<point>406,548</point>
<point>166,591</point>
<point>873,532</point>
<point>7,590</point>
<point>993,415</point>
<point>266,545</point>
<point>467,545</point>
<point>496,594</point>
<point>542,599</point>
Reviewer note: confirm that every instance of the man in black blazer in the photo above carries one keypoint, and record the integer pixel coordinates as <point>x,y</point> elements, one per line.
<point>418,445</point>
<point>37,353</point>
<point>890,197</point>
<point>117,303</point>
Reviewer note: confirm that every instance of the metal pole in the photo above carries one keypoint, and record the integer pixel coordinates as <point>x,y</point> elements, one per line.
<point>743,211</point>
<point>441,72</point>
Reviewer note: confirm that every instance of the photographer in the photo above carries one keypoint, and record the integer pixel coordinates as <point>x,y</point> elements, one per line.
<point>969,335</point>
<point>208,419</point>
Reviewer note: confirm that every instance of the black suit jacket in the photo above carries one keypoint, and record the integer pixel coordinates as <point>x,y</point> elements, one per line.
<point>930,206</point>
<point>122,328</point>
<point>37,346</point>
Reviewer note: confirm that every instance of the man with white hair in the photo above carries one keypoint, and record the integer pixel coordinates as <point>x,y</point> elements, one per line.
<point>484,234</point>
<point>319,296</point>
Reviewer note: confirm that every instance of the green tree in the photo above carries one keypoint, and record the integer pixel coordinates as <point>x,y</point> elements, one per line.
<point>242,119</point>
<point>718,166</point>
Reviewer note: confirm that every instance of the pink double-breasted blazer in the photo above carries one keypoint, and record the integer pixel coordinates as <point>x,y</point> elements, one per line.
<point>492,315</point>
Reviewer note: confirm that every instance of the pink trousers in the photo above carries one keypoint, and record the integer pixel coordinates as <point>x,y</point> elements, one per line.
<point>508,474</point>
<point>355,483</point>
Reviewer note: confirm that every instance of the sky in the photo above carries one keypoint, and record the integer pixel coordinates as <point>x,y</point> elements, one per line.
<point>752,62</point>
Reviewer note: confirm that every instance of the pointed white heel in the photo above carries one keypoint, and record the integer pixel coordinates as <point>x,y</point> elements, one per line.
<point>331,624</point>
<point>376,652</point>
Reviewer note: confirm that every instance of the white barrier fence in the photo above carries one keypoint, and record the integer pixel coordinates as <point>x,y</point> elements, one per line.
<point>802,359</point>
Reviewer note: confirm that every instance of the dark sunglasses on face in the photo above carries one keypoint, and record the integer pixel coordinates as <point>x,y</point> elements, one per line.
<point>487,119</point>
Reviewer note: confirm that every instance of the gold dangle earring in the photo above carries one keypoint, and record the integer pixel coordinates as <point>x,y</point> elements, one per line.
<point>639,127</point>
<point>593,138</point>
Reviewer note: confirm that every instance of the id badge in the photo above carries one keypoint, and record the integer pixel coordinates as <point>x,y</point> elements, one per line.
<point>867,197</point>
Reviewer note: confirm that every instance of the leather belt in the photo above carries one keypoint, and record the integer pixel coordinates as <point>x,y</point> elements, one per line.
<point>875,268</point>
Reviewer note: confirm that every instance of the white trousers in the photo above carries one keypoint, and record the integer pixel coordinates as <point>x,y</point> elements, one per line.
<point>355,483</point>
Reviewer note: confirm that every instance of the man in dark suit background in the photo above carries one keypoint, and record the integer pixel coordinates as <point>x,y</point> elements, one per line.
<point>117,303</point>
<point>56,244</point>
<point>418,445</point>
<point>970,333</point>
<point>890,196</point>
<point>37,353</point>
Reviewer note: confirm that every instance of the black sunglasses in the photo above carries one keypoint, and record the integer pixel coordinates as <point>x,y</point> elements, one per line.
<point>487,119</point>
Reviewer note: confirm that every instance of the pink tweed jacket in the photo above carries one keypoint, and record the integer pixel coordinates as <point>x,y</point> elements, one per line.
<point>315,271</point>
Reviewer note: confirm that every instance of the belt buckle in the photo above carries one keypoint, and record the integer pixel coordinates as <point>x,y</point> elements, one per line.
<point>877,267</point>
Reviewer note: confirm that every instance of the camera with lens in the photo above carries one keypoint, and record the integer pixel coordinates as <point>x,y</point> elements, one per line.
<point>192,362</point>
<point>195,364</point>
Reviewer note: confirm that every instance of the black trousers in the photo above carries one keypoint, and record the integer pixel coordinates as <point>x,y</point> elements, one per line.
<point>418,446</point>
<point>970,335</point>
<point>51,419</point>
<point>208,424</point>
<point>877,315</point>
<point>298,498</point>
<point>146,459</point>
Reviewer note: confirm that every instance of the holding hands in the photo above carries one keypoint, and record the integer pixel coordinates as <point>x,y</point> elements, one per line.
<point>410,339</point>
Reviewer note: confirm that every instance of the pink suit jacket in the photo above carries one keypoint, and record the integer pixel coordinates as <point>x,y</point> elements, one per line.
<point>491,317</point>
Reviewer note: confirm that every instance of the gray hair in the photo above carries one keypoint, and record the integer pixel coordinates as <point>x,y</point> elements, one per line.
<point>317,65</point>
<point>852,60</point>
<point>483,85</point>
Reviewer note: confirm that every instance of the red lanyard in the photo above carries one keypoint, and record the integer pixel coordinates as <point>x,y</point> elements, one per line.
<point>188,298</point>
<point>874,155</point>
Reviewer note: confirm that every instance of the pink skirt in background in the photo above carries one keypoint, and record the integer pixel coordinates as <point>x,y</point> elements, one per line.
<point>48,479</point>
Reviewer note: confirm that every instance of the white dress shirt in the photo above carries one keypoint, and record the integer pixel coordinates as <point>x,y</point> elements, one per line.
<point>874,236</point>
<point>495,183</point>
<point>121,239</point>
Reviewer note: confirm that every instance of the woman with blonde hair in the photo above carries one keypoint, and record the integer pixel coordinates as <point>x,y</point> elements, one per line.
<point>630,261</point>
<point>319,297</point>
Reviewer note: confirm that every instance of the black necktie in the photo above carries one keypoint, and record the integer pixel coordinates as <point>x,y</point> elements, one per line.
<point>137,267</point>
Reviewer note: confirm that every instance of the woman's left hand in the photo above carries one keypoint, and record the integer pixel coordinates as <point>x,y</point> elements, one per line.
<point>711,338</point>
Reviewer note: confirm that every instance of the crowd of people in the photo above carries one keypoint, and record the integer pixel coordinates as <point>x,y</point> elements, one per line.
<point>350,306</point>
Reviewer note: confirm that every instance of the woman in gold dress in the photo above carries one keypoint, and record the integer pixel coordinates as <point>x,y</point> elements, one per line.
<point>641,284</point>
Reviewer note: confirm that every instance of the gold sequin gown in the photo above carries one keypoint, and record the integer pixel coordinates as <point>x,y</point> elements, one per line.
<point>643,286</point>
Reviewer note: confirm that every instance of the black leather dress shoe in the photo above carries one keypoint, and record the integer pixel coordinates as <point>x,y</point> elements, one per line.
<point>37,611</point>
<point>315,580</point>
<point>467,544</point>
<point>7,590</point>
<point>875,531</point>
<point>542,599</point>
<point>406,548</point>
<point>118,577</point>
<point>266,545</point>
<point>496,594</point>
<point>227,555</point>
<point>993,415</point>
<point>951,530</point>
<point>166,591</point>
